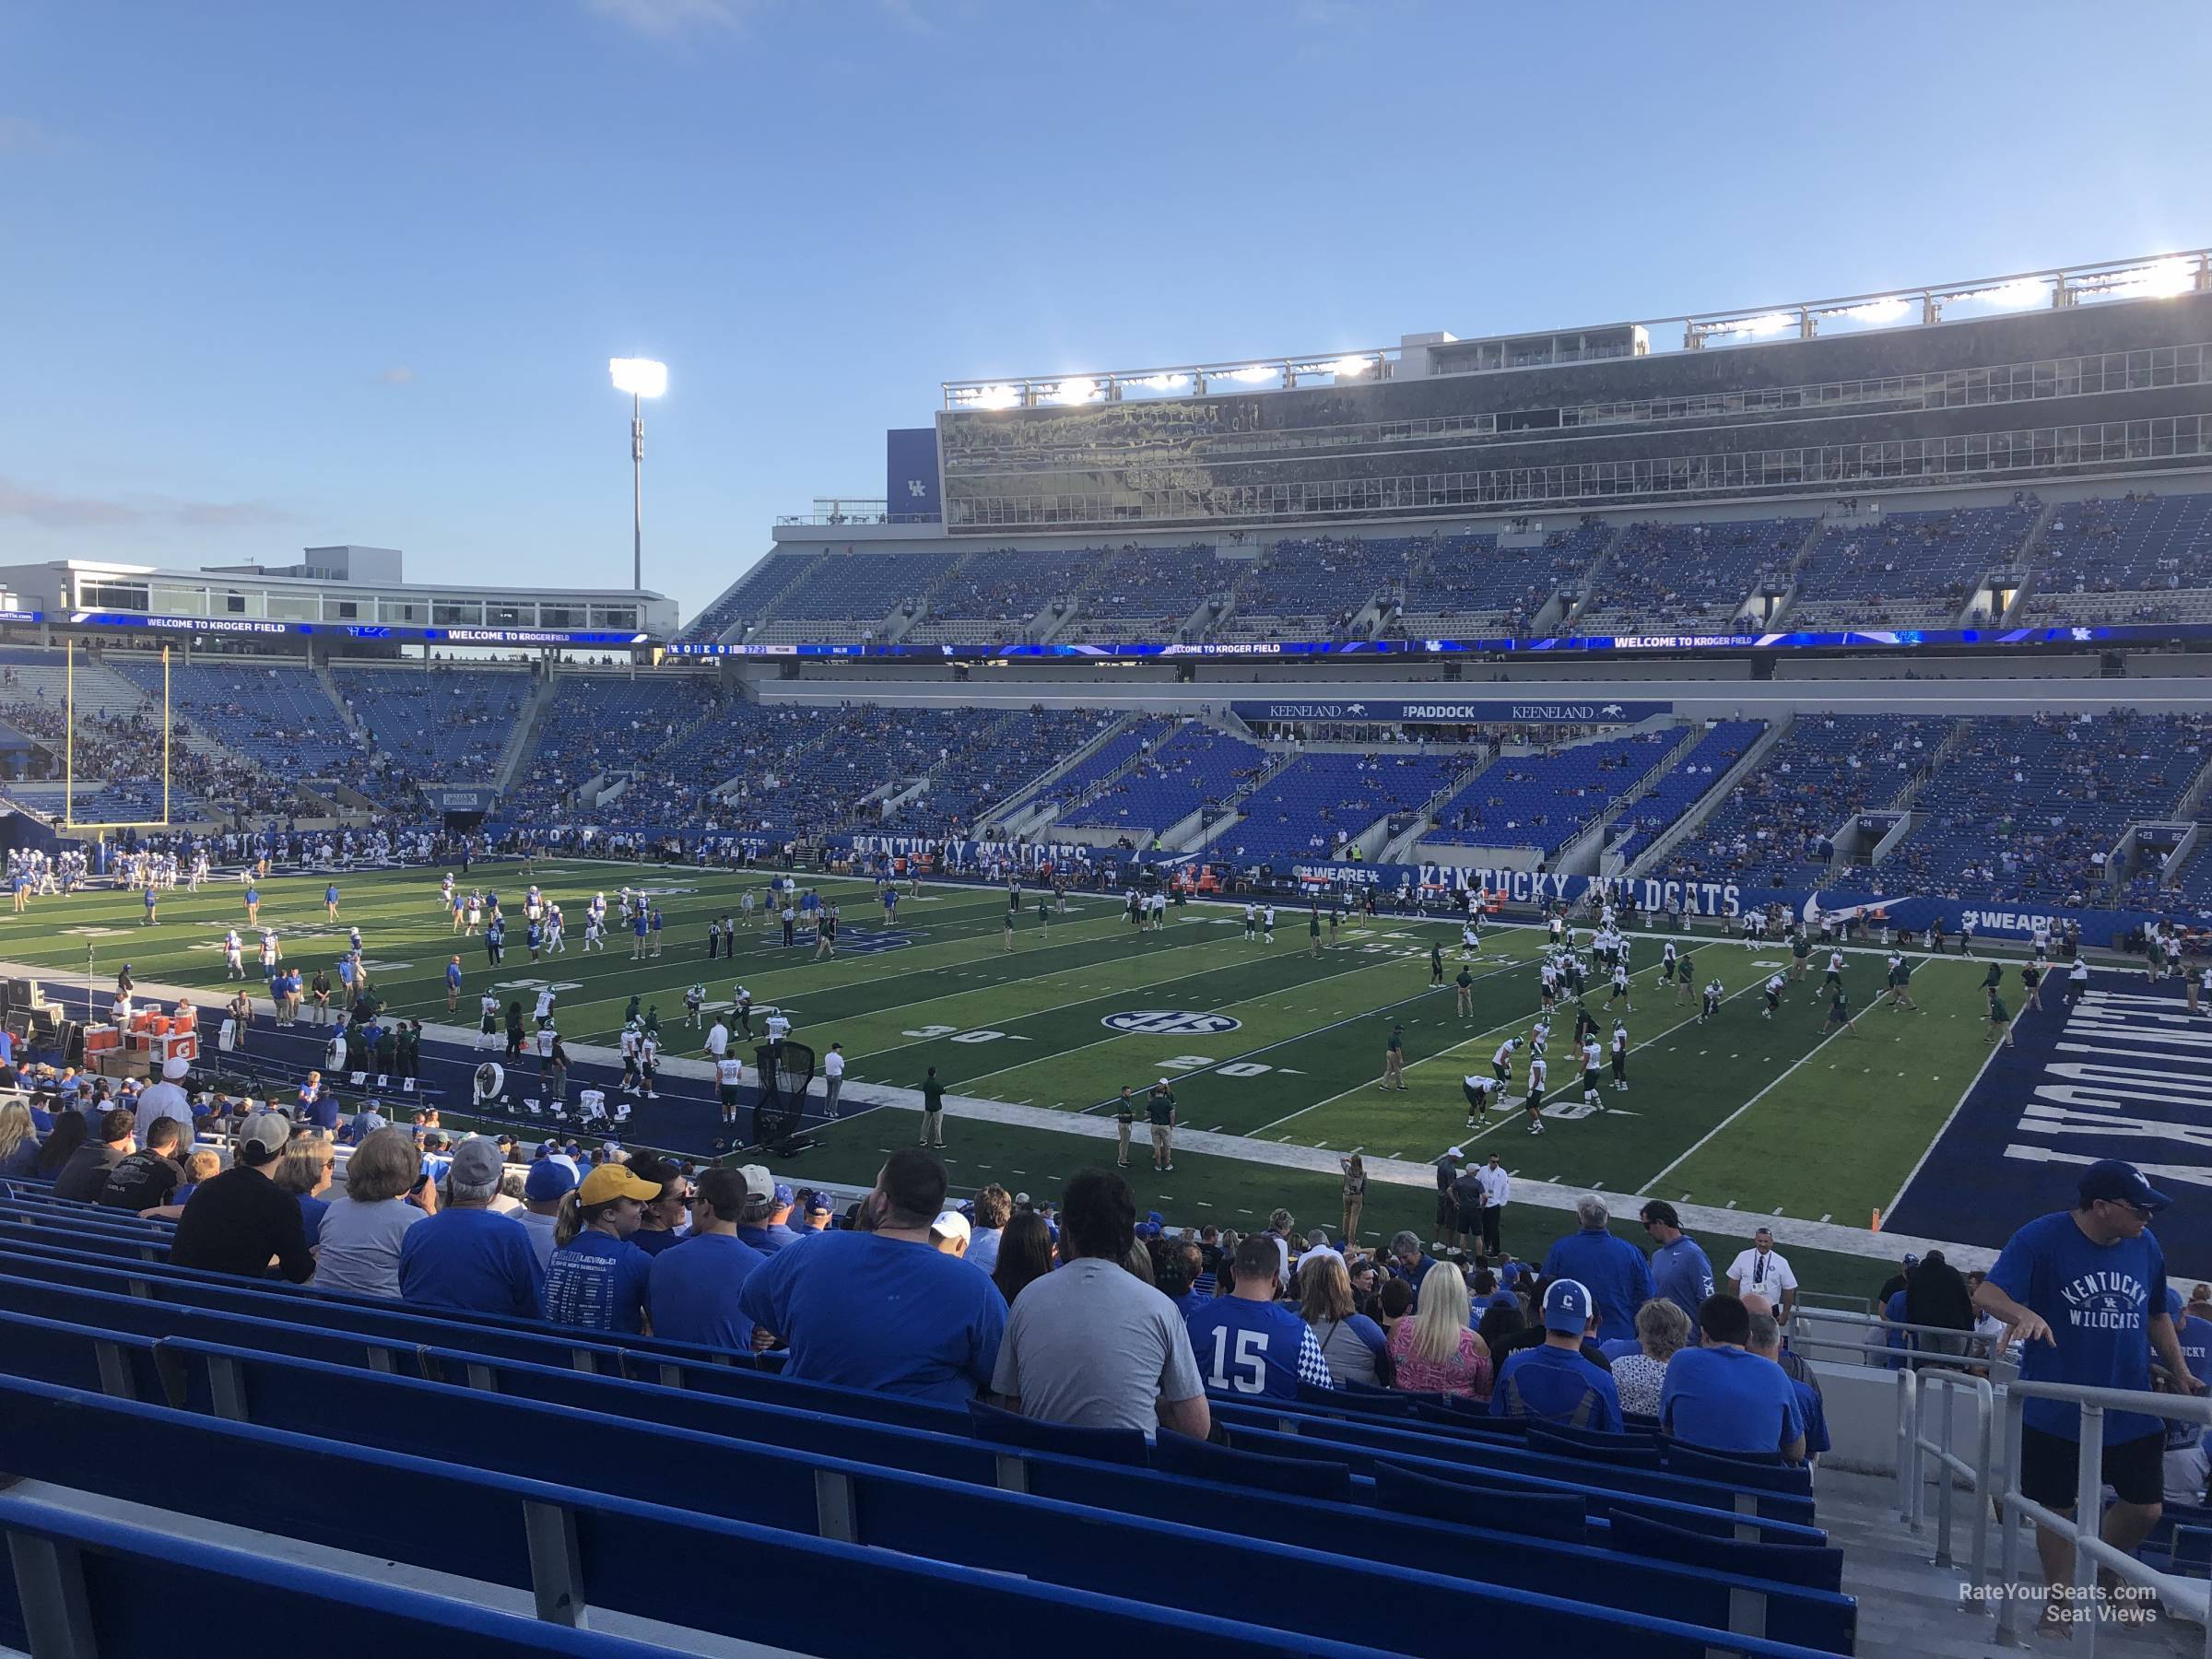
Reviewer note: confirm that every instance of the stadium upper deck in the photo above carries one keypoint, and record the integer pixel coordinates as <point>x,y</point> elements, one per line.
<point>1871,462</point>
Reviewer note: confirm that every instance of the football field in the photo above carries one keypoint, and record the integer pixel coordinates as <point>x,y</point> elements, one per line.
<point>1270,1043</point>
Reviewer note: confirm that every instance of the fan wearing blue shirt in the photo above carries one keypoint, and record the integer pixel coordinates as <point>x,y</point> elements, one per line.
<point>1680,1269</point>
<point>2085,1292</point>
<point>883,1311</point>
<point>597,1279</point>
<point>2188,1465</point>
<point>1553,1382</point>
<point>1765,1342</point>
<point>468,1255</point>
<point>1611,1269</point>
<point>1247,1342</point>
<point>694,1288</point>
<point>1721,1397</point>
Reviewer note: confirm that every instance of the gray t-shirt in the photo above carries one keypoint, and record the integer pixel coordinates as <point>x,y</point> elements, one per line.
<point>359,1250</point>
<point>540,1229</point>
<point>1093,1345</point>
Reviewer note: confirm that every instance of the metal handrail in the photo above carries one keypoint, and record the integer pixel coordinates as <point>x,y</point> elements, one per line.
<point>2081,1531</point>
<point>1802,1340</point>
<point>1952,1464</point>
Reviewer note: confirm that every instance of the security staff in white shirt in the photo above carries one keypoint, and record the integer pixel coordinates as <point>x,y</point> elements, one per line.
<point>833,1074</point>
<point>1497,1188</point>
<point>1766,1270</point>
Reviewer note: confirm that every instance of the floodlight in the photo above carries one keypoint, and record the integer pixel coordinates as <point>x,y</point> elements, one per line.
<point>1250,376</point>
<point>1760,326</point>
<point>2016,294</point>
<point>991,397</point>
<point>1877,312</point>
<point>641,377</point>
<point>2161,279</point>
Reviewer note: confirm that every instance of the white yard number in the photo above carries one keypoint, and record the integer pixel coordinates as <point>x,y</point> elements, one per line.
<point>1244,1068</point>
<point>1186,1063</point>
<point>928,1032</point>
<point>1252,1361</point>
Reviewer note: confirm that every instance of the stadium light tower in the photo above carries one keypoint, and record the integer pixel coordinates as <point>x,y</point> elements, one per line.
<point>641,377</point>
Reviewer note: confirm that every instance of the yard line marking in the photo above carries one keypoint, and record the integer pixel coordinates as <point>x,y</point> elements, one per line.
<point>1739,1112</point>
<point>1478,1037</point>
<point>1248,1054</point>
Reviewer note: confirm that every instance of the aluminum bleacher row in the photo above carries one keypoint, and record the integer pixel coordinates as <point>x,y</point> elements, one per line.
<point>823,1520</point>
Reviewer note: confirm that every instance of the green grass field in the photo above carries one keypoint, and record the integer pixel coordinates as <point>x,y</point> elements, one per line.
<point>1767,1117</point>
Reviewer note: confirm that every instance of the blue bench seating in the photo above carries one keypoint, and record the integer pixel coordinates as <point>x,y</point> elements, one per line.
<point>385,1336</point>
<point>85,1587</point>
<point>1108,1536</point>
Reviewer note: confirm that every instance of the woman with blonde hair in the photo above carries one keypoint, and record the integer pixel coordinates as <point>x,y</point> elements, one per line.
<point>1354,1195</point>
<point>359,1246</point>
<point>1352,1343</point>
<point>1662,1332</point>
<point>1436,1351</point>
<point>303,1168</point>
<point>18,1139</point>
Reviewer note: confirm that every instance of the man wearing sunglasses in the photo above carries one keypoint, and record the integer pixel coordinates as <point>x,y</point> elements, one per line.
<point>693,1290</point>
<point>2085,1292</point>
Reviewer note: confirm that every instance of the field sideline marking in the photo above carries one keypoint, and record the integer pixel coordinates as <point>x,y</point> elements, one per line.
<point>1958,1106</point>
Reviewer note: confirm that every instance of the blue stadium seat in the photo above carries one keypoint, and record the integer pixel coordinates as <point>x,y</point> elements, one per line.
<point>431,1505</point>
<point>290,1395</point>
<point>1102,1445</point>
<point>83,1586</point>
<point>1307,1477</point>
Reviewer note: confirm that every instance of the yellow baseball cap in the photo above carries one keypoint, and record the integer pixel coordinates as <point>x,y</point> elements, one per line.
<point>612,1181</point>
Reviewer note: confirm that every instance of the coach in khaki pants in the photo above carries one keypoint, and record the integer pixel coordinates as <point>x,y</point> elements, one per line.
<point>1124,1119</point>
<point>1160,1106</point>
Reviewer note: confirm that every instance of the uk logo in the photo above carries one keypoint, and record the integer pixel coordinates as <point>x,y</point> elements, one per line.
<point>1170,1022</point>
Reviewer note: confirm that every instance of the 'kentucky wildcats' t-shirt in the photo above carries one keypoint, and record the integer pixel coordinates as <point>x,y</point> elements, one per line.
<point>863,1311</point>
<point>597,1283</point>
<point>2097,1300</point>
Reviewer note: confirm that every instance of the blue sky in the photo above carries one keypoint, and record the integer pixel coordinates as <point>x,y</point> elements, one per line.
<point>289,273</point>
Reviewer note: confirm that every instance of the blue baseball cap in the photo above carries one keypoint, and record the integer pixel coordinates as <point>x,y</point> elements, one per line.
<point>1510,1274</point>
<point>1566,1307</point>
<point>548,1177</point>
<point>2121,1181</point>
<point>784,1197</point>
